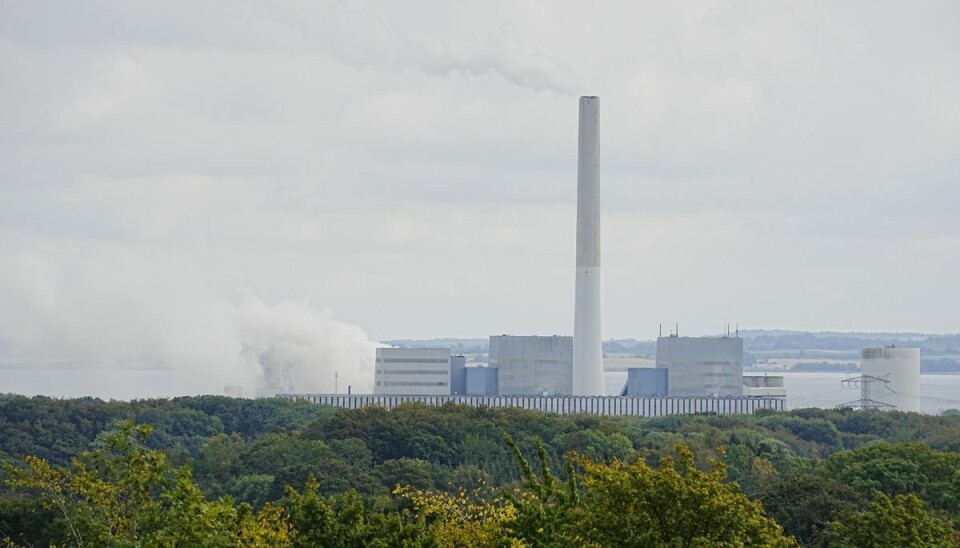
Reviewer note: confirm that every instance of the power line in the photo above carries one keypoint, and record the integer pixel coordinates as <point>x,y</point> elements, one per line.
<point>865,402</point>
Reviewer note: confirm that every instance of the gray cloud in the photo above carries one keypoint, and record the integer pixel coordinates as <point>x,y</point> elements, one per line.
<point>365,36</point>
<point>782,165</point>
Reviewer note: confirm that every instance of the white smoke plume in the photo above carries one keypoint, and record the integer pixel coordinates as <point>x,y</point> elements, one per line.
<point>121,322</point>
<point>364,35</point>
<point>292,346</point>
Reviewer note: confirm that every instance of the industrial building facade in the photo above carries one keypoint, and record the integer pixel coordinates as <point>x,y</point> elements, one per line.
<point>458,375</point>
<point>702,366</point>
<point>420,371</point>
<point>645,381</point>
<point>532,365</point>
<point>481,381</point>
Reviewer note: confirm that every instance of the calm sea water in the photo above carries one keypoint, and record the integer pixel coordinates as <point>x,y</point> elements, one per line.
<point>107,384</point>
<point>937,392</point>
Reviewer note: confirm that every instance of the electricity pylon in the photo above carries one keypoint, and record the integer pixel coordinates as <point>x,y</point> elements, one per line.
<point>865,402</point>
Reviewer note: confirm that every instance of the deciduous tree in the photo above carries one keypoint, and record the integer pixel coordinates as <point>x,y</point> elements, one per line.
<point>897,522</point>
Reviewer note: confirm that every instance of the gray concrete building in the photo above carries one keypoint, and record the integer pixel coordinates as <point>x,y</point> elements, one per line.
<point>646,381</point>
<point>413,371</point>
<point>481,381</point>
<point>533,365</point>
<point>702,366</point>
<point>458,377</point>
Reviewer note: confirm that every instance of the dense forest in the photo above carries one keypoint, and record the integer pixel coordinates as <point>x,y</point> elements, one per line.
<point>219,471</point>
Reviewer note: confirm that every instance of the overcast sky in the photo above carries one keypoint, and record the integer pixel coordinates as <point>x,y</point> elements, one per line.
<point>409,168</point>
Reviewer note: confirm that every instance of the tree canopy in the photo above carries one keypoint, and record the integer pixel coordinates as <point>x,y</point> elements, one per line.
<point>235,458</point>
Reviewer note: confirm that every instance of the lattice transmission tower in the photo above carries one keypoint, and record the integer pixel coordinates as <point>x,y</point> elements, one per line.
<point>865,403</point>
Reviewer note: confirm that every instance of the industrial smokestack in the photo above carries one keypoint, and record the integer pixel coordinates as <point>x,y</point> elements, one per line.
<point>587,348</point>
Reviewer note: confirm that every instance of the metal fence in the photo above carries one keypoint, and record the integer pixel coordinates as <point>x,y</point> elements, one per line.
<point>631,406</point>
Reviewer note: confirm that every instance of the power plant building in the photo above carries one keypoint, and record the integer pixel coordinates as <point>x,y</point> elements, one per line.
<point>458,375</point>
<point>564,375</point>
<point>481,381</point>
<point>532,365</point>
<point>901,367</point>
<point>412,371</point>
<point>646,381</point>
<point>702,366</point>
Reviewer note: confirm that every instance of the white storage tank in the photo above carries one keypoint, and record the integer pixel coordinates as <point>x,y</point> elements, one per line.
<point>901,366</point>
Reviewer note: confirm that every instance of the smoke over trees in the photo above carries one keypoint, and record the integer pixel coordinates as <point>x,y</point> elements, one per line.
<point>109,309</point>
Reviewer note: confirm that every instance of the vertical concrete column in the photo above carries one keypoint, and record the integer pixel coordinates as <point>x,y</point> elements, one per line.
<point>587,347</point>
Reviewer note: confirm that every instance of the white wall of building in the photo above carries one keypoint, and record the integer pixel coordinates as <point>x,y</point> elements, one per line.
<point>901,366</point>
<point>533,365</point>
<point>413,371</point>
<point>702,366</point>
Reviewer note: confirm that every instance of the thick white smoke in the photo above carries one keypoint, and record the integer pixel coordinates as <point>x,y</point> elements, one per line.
<point>115,321</point>
<point>292,346</point>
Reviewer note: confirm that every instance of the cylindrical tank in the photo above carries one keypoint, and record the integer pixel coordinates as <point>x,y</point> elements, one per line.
<point>900,366</point>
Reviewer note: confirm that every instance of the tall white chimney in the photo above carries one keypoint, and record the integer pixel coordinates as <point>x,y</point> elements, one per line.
<point>587,348</point>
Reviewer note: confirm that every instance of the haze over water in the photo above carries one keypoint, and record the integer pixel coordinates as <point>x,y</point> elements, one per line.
<point>937,392</point>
